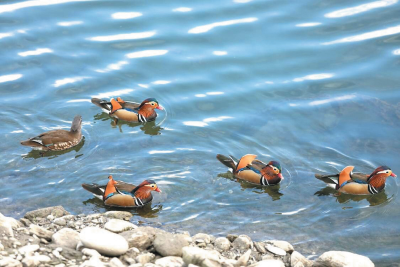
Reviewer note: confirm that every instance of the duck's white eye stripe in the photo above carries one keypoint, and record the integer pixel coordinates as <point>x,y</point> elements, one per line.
<point>382,172</point>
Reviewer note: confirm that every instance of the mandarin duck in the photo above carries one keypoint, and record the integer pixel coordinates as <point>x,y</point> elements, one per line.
<point>121,194</point>
<point>129,111</point>
<point>361,184</point>
<point>254,171</point>
<point>57,140</point>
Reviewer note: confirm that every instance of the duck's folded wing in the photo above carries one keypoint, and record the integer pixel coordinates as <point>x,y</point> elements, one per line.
<point>122,186</point>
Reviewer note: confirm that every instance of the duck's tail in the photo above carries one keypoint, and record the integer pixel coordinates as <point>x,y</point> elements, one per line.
<point>328,178</point>
<point>229,162</point>
<point>95,189</point>
<point>103,104</point>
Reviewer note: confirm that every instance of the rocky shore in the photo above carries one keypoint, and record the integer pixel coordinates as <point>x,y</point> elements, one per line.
<point>53,237</point>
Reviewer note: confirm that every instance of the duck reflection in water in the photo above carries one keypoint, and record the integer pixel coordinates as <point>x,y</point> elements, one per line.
<point>149,128</point>
<point>35,154</point>
<point>373,200</point>
<point>272,191</point>
<point>147,211</point>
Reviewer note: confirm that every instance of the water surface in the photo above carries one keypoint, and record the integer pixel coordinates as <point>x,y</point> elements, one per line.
<point>312,84</point>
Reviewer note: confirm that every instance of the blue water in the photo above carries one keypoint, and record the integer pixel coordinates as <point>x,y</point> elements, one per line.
<point>312,84</point>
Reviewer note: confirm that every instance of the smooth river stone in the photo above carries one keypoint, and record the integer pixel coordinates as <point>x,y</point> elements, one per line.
<point>275,250</point>
<point>105,242</point>
<point>118,226</point>
<point>342,258</point>
<point>66,237</point>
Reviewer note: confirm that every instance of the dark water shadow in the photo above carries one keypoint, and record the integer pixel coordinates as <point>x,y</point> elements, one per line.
<point>373,200</point>
<point>272,191</point>
<point>35,154</point>
<point>149,128</point>
<point>147,211</point>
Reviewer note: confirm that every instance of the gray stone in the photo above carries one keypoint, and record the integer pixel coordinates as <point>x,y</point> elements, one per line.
<point>167,244</point>
<point>275,250</point>
<point>342,258</point>
<point>141,237</point>
<point>296,259</point>
<point>60,221</point>
<point>40,232</point>
<point>286,246</point>
<point>9,262</point>
<point>56,211</point>
<point>242,261</point>
<point>25,222</point>
<point>66,237</point>
<point>28,250</point>
<point>122,215</point>
<point>222,244</point>
<point>145,258</point>
<point>170,261</point>
<point>204,237</point>
<point>268,263</point>
<point>200,257</point>
<point>118,226</point>
<point>242,242</point>
<point>105,242</point>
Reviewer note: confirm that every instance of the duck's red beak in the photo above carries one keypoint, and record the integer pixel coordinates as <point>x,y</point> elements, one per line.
<point>158,190</point>
<point>160,107</point>
<point>393,175</point>
<point>280,176</point>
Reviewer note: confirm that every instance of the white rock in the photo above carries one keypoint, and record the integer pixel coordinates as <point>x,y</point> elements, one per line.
<point>268,263</point>
<point>123,215</point>
<point>118,226</point>
<point>342,258</point>
<point>9,262</point>
<point>93,262</point>
<point>298,260</point>
<point>91,252</point>
<point>170,261</point>
<point>145,258</point>
<point>28,250</point>
<point>66,237</point>
<point>222,243</point>
<point>242,242</point>
<point>275,250</point>
<point>167,244</point>
<point>286,246</point>
<point>200,236</point>
<point>40,232</point>
<point>105,242</point>
<point>115,262</point>
<point>242,261</point>
<point>199,256</point>
<point>35,260</point>
<point>60,222</point>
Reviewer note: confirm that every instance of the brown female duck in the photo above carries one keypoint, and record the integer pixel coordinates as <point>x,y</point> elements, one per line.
<point>252,170</point>
<point>362,185</point>
<point>129,111</point>
<point>121,194</point>
<point>57,139</point>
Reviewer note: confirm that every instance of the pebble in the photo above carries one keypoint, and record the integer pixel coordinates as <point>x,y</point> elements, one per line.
<point>40,232</point>
<point>145,258</point>
<point>170,261</point>
<point>275,250</point>
<point>60,222</point>
<point>286,246</point>
<point>28,250</point>
<point>342,258</point>
<point>118,226</point>
<point>115,262</point>
<point>242,242</point>
<point>103,241</point>
<point>122,215</point>
<point>66,237</point>
<point>91,252</point>
<point>167,244</point>
<point>222,244</point>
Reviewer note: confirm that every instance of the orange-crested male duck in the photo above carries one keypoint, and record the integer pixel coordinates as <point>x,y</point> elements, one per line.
<point>57,140</point>
<point>254,171</point>
<point>361,184</point>
<point>121,194</point>
<point>129,111</point>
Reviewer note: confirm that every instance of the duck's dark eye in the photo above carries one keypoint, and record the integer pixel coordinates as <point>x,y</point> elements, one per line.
<point>152,104</point>
<point>153,185</point>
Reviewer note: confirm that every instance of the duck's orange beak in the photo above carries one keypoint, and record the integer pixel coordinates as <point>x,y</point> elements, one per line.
<point>160,107</point>
<point>158,190</point>
<point>393,174</point>
<point>280,176</point>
